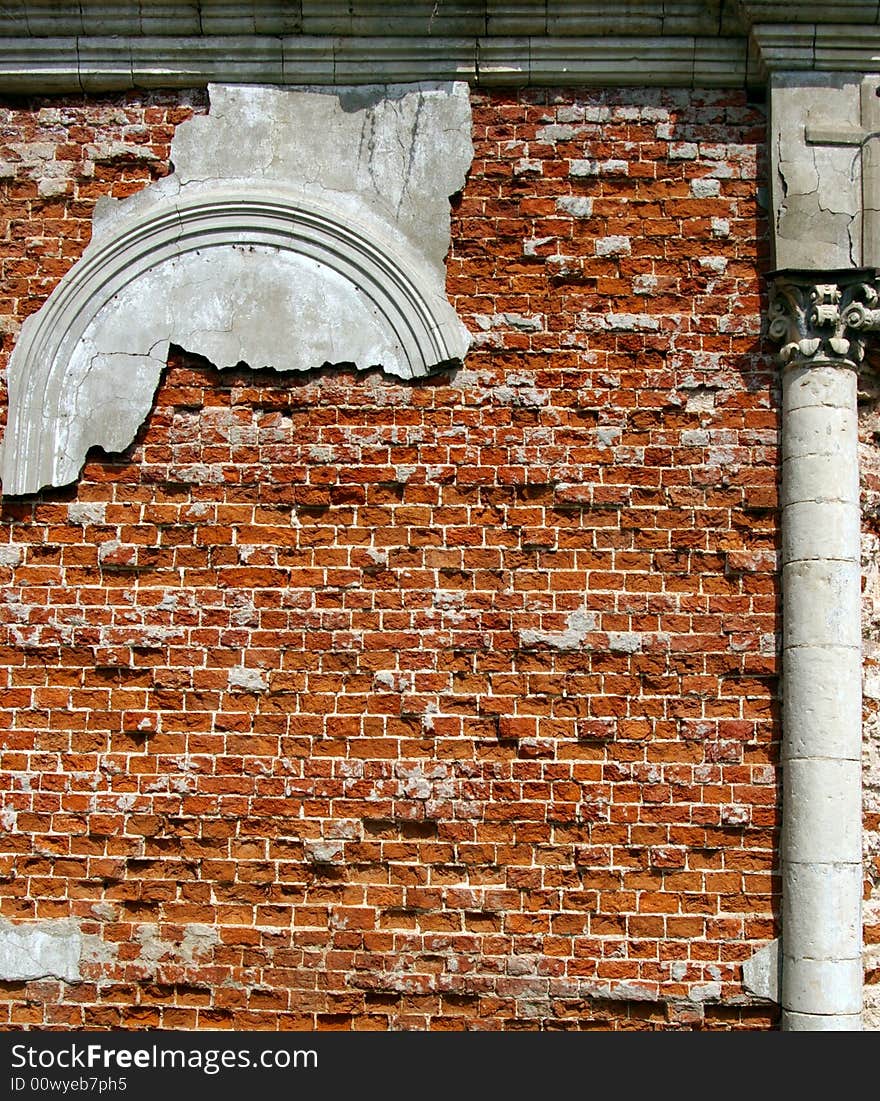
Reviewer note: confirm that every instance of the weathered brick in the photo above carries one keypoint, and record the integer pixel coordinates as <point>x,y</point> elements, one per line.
<point>347,671</point>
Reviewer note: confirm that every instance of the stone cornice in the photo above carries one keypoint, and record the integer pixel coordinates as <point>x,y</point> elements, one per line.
<point>58,46</point>
<point>367,18</point>
<point>103,64</point>
<point>840,47</point>
<point>861,12</point>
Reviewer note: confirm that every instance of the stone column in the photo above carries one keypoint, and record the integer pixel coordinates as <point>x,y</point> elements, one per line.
<point>819,318</point>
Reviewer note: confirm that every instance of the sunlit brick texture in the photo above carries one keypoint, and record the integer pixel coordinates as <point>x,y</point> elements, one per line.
<point>337,702</point>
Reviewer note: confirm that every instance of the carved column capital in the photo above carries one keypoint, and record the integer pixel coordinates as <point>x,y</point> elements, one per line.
<point>822,316</point>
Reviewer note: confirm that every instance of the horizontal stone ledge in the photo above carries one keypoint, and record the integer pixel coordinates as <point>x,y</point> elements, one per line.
<point>93,64</point>
<point>672,61</point>
<point>841,11</point>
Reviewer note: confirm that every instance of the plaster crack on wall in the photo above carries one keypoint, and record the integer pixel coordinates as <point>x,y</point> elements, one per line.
<point>407,148</point>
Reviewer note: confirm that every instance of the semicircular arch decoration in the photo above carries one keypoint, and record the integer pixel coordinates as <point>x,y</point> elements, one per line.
<point>272,278</point>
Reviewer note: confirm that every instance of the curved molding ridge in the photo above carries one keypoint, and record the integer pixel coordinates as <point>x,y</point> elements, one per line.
<point>253,271</point>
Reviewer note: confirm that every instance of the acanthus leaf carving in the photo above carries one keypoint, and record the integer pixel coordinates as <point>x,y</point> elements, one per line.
<point>822,315</point>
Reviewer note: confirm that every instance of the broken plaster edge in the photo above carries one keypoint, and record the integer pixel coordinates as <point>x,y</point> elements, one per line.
<point>285,252</point>
<point>401,289</point>
<point>40,950</point>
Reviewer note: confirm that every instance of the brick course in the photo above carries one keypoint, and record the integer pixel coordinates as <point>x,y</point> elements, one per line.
<point>340,702</point>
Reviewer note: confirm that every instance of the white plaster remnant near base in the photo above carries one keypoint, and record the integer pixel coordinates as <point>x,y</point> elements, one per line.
<point>251,680</point>
<point>301,227</point>
<point>761,972</point>
<point>40,950</point>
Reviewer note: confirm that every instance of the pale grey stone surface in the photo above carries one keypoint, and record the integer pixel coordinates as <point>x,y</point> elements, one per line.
<point>785,46</point>
<point>67,46</point>
<point>167,61</point>
<point>825,989</point>
<point>40,950</point>
<point>839,935</point>
<point>248,679</point>
<point>301,227</point>
<point>822,700</point>
<point>823,825</point>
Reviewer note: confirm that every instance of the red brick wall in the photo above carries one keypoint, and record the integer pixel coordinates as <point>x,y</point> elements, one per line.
<point>337,702</point>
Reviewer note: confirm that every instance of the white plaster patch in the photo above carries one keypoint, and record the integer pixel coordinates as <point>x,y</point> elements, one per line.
<point>251,680</point>
<point>86,512</point>
<point>579,626</point>
<point>10,555</point>
<point>578,206</point>
<point>700,400</point>
<point>624,642</point>
<point>584,167</point>
<point>718,264</point>
<point>40,950</point>
<point>705,188</point>
<point>633,322</point>
<point>195,945</point>
<point>612,246</point>
<point>532,323</point>
<point>324,852</point>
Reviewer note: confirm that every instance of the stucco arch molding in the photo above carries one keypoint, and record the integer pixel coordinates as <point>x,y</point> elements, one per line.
<point>270,277</point>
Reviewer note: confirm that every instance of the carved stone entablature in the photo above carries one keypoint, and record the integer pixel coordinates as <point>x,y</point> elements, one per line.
<point>823,315</point>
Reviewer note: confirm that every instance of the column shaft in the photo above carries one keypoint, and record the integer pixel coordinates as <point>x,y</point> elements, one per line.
<point>821,319</point>
<point>821,669</point>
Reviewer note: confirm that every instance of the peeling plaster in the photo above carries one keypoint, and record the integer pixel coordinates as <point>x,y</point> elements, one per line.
<point>40,950</point>
<point>816,187</point>
<point>580,625</point>
<point>195,946</point>
<point>301,227</point>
